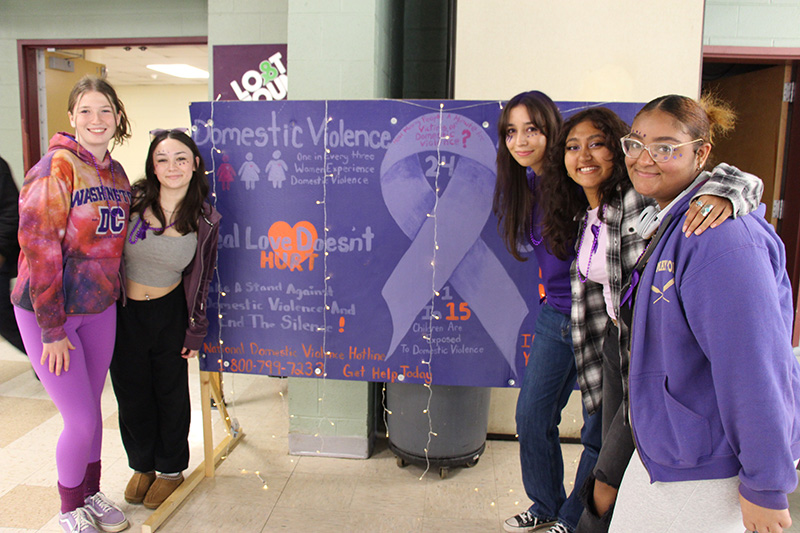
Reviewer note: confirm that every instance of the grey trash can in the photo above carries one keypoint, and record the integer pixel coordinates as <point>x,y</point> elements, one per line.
<point>459,417</point>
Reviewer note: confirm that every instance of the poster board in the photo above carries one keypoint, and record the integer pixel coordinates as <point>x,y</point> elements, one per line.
<point>337,257</point>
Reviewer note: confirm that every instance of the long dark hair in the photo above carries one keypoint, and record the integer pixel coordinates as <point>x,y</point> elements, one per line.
<point>146,191</point>
<point>563,200</point>
<point>513,198</point>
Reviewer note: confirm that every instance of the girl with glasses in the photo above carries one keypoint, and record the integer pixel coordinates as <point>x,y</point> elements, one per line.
<point>73,211</point>
<point>590,198</point>
<point>714,385</point>
<point>170,254</point>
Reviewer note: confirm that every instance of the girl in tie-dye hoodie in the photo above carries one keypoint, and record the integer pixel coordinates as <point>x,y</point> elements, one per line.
<point>73,208</point>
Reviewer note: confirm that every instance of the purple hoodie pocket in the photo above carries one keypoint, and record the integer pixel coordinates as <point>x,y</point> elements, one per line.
<point>667,431</point>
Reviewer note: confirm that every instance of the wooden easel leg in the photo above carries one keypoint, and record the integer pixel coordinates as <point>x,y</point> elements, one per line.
<point>208,436</point>
<point>209,387</point>
<point>215,387</point>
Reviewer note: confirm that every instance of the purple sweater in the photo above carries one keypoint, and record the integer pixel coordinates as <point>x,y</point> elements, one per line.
<point>714,385</point>
<point>555,277</point>
<point>554,271</point>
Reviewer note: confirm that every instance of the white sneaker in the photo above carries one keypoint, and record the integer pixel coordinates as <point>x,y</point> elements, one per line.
<point>77,521</point>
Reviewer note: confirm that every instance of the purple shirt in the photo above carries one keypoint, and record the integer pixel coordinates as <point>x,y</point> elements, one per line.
<point>554,271</point>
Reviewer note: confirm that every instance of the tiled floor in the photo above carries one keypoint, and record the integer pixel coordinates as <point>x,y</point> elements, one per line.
<point>259,487</point>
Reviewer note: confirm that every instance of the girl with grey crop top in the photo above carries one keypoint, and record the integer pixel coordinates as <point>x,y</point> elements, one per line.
<point>169,257</point>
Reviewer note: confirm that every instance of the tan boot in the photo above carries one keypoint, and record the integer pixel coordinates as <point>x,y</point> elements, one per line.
<point>160,491</point>
<point>138,486</point>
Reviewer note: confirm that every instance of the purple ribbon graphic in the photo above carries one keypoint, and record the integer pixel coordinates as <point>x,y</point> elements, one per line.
<point>462,259</point>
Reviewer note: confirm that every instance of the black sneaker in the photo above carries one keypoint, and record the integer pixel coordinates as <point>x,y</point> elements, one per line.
<point>525,521</point>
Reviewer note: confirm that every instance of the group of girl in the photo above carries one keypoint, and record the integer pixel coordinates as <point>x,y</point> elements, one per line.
<point>109,269</point>
<point>690,401</point>
<point>689,393</point>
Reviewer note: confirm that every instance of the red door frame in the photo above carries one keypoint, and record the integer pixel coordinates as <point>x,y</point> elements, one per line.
<point>26,58</point>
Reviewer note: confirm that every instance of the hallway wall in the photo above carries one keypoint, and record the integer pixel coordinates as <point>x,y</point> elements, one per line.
<point>74,19</point>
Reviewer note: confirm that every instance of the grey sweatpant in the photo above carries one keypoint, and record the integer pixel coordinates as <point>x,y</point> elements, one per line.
<point>710,506</point>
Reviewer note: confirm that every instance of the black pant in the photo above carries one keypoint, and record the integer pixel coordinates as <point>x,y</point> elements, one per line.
<point>618,445</point>
<point>8,322</point>
<point>151,383</point>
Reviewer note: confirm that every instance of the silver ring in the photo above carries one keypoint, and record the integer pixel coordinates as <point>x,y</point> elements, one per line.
<point>706,209</point>
<point>698,202</point>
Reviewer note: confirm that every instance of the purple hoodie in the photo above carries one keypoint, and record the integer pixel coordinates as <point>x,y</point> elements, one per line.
<point>714,385</point>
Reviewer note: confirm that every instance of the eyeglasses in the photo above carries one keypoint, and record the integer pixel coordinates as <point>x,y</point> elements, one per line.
<point>155,133</point>
<point>659,152</point>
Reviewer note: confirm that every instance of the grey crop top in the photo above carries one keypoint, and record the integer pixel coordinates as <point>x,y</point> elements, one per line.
<point>158,260</point>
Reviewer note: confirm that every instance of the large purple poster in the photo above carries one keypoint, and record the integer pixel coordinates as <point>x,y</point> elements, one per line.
<point>357,242</point>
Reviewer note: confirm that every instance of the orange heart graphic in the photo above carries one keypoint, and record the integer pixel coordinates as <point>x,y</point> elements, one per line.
<point>292,244</point>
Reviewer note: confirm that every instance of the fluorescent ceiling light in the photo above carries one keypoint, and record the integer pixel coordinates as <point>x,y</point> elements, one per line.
<point>180,70</point>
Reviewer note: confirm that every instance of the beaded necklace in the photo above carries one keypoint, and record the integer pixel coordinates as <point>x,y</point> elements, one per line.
<point>534,241</point>
<point>531,175</point>
<point>113,178</point>
<point>596,232</point>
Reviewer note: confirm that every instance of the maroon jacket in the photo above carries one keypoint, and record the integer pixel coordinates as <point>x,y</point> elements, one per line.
<point>197,276</point>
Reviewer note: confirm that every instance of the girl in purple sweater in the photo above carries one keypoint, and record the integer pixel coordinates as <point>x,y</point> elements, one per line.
<point>714,385</point>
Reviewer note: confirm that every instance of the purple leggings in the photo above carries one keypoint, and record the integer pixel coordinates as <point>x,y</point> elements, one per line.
<point>75,393</point>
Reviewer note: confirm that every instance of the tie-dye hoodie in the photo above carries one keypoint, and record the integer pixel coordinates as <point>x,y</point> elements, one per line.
<point>72,225</point>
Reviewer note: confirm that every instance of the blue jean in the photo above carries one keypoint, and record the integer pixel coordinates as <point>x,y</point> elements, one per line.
<point>550,377</point>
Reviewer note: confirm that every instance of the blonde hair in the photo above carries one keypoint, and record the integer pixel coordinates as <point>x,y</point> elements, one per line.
<point>721,116</point>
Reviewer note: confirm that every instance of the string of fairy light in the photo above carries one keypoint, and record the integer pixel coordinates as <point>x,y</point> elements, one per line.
<point>220,293</point>
<point>325,277</point>
<point>231,423</point>
<point>433,315</point>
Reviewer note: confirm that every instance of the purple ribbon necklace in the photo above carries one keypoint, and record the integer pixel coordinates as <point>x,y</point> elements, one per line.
<point>531,175</point>
<point>534,240</point>
<point>140,228</point>
<point>596,233</point>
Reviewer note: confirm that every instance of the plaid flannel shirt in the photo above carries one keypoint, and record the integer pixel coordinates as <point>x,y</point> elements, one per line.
<point>625,246</point>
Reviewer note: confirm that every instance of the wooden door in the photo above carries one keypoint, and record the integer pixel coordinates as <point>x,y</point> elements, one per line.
<point>758,141</point>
